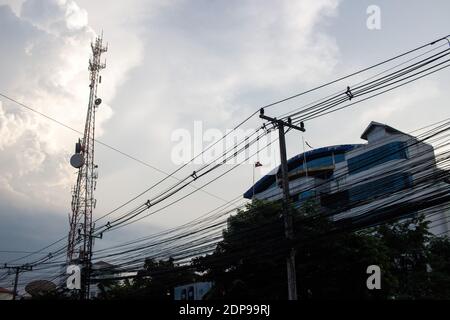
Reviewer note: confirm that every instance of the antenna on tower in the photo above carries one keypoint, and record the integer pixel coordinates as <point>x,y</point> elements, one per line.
<point>83,202</point>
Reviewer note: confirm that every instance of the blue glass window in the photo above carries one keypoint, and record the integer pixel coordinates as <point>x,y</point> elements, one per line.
<point>386,185</point>
<point>339,157</point>
<point>320,162</point>
<point>372,158</point>
<point>324,161</point>
<point>307,195</point>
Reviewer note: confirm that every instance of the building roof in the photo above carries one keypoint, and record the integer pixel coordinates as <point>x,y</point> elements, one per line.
<point>3,290</point>
<point>267,180</point>
<point>374,124</point>
<point>102,265</point>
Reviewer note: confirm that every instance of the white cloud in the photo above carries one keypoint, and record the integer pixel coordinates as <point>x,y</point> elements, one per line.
<point>213,60</point>
<point>394,107</point>
<point>76,18</point>
<point>203,60</point>
<point>45,56</point>
<point>173,62</point>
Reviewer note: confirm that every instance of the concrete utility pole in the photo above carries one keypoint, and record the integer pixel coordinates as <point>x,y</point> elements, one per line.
<point>16,278</point>
<point>287,214</point>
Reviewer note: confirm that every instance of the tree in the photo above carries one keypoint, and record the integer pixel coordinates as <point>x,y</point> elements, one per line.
<point>331,261</point>
<point>246,263</point>
<point>439,264</point>
<point>407,242</point>
<point>155,281</point>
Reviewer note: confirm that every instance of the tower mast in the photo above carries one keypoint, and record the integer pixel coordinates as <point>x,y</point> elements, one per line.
<point>80,240</point>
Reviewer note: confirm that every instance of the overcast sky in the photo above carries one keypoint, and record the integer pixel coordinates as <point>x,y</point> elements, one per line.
<point>171,63</point>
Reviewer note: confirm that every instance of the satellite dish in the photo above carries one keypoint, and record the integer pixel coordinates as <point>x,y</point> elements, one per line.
<point>98,101</point>
<point>77,160</point>
<point>40,287</point>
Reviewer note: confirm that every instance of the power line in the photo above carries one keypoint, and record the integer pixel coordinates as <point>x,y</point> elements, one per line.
<point>100,142</point>
<point>295,96</point>
<point>291,97</point>
<point>409,168</point>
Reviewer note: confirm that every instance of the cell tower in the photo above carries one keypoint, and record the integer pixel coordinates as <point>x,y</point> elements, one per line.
<point>80,241</point>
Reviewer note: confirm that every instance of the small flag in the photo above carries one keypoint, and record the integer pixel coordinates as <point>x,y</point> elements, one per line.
<point>258,164</point>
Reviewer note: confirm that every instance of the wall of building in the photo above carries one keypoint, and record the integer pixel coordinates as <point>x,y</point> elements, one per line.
<point>387,171</point>
<point>192,291</point>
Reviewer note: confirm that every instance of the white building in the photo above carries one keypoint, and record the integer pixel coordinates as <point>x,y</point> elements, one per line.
<point>392,174</point>
<point>192,291</point>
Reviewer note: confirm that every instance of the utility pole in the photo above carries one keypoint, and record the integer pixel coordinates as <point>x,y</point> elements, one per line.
<point>17,270</point>
<point>287,214</point>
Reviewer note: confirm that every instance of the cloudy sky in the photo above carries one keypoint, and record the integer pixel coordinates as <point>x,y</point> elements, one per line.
<point>169,64</point>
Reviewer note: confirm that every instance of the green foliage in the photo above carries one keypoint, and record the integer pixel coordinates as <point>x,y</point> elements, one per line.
<point>331,264</point>
<point>155,281</point>
<point>407,243</point>
<point>249,263</point>
<point>439,263</point>
<point>248,257</point>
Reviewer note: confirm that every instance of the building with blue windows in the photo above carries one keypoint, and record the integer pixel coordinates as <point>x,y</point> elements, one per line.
<point>393,174</point>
